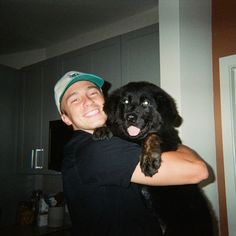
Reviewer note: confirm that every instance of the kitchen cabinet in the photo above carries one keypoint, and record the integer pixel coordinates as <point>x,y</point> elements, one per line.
<point>102,58</point>
<point>106,62</point>
<point>37,109</point>
<point>9,106</point>
<point>79,60</point>
<point>50,75</point>
<point>30,145</point>
<point>140,55</point>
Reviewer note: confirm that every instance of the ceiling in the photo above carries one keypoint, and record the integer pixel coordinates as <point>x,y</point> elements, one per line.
<point>34,24</point>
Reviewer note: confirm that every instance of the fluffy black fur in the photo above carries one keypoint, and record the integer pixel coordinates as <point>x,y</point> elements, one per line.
<point>182,210</point>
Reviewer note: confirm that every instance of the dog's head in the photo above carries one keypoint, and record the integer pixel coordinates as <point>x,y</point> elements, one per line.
<point>139,108</point>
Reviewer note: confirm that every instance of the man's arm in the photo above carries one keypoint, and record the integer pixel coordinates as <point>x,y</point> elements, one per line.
<point>183,166</point>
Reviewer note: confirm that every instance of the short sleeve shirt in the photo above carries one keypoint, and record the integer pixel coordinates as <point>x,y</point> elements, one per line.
<point>100,197</point>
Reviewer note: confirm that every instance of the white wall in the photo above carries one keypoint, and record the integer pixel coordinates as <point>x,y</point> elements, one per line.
<point>186,73</point>
<point>111,30</point>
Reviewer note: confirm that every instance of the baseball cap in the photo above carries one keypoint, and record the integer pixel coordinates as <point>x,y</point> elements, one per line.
<point>70,78</point>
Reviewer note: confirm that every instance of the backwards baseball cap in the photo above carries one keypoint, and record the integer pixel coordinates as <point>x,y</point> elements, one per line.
<point>70,78</point>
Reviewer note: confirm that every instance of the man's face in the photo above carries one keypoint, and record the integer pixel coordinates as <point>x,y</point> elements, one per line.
<point>82,107</point>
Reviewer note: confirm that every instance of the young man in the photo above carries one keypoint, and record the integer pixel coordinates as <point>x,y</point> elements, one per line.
<point>102,179</point>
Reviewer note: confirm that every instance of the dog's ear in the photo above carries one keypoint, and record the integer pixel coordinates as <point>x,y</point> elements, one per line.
<point>168,109</point>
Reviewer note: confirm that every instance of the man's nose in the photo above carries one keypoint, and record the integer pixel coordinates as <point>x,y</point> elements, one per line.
<point>88,100</point>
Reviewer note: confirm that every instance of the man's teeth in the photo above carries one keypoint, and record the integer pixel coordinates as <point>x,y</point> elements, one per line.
<point>92,113</point>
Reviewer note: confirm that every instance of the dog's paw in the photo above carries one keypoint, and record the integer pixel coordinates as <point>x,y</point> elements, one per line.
<point>150,160</point>
<point>102,133</point>
<point>150,163</point>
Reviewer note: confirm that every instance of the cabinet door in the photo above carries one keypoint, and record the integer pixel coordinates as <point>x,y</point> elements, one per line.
<point>50,75</point>
<point>31,139</point>
<point>140,55</point>
<point>105,61</point>
<point>9,106</point>
<point>79,60</point>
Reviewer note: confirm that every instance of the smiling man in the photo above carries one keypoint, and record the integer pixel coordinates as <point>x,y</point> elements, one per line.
<point>101,179</point>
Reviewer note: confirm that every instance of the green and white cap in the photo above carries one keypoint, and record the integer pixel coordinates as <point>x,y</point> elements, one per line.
<point>70,78</point>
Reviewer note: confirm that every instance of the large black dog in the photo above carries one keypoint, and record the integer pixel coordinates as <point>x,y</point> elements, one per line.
<point>144,113</point>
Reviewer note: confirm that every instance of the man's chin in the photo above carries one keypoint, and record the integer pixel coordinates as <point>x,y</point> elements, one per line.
<point>98,123</point>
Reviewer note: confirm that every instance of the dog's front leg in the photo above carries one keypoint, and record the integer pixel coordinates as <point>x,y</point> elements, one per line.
<point>150,159</point>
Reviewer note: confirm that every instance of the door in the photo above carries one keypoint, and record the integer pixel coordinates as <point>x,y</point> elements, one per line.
<point>31,151</point>
<point>228,109</point>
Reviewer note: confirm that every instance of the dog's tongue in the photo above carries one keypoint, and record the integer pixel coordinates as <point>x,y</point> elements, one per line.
<point>133,131</point>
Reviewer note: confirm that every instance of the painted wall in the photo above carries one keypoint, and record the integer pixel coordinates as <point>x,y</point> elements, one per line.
<point>186,73</point>
<point>223,44</point>
<point>186,37</point>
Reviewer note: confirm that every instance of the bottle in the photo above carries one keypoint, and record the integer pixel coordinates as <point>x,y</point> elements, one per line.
<point>42,218</point>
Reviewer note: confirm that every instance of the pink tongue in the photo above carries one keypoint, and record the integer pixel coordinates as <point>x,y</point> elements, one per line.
<point>133,131</point>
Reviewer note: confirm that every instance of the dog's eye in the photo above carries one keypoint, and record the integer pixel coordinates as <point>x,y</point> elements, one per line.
<point>126,101</point>
<point>145,103</point>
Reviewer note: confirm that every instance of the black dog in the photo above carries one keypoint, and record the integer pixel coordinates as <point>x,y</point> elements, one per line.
<point>144,113</point>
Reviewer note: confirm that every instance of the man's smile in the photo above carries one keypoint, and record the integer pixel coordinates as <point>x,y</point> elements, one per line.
<point>92,113</point>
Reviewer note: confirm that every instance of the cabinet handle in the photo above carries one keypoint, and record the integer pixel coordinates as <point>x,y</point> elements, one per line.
<point>38,161</point>
<point>32,159</point>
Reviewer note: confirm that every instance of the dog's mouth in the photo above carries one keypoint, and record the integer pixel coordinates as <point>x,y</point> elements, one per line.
<point>133,131</point>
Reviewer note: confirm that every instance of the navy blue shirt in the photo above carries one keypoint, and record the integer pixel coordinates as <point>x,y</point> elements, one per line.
<point>100,197</point>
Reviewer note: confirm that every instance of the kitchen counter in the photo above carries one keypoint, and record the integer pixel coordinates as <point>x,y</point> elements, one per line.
<point>33,230</point>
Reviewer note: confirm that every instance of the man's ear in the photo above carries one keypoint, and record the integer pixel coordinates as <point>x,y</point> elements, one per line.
<point>66,119</point>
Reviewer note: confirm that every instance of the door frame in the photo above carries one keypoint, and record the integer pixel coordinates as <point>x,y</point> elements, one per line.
<point>228,117</point>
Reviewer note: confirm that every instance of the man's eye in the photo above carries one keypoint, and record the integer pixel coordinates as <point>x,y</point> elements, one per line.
<point>93,93</point>
<point>74,100</point>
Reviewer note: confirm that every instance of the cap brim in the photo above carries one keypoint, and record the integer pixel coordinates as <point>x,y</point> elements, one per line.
<point>98,81</point>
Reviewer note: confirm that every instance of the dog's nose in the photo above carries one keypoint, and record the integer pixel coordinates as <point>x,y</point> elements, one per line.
<point>131,118</point>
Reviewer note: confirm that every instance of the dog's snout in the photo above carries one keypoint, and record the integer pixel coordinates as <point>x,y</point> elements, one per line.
<point>131,118</point>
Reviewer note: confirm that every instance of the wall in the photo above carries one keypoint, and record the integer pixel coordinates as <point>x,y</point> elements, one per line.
<point>186,73</point>
<point>190,41</point>
<point>223,44</point>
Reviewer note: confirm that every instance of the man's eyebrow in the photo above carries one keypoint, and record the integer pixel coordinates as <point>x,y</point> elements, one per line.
<point>93,86</point>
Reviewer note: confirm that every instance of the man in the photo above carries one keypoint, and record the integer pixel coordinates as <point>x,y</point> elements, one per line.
<point>102,179</point>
